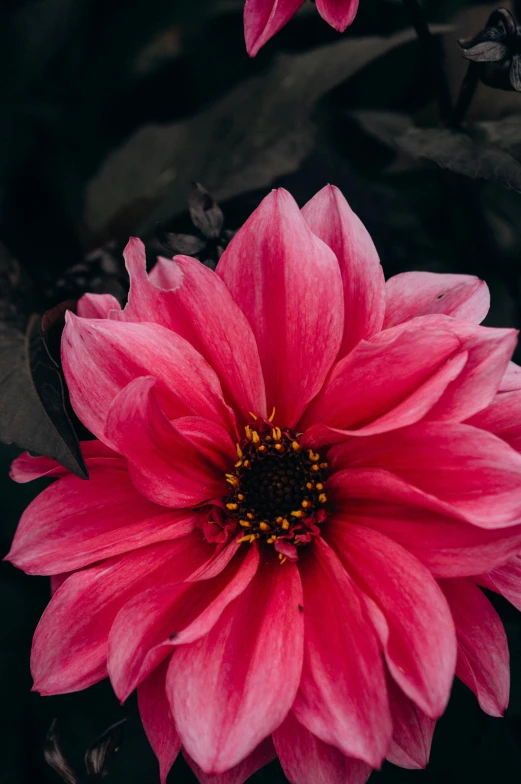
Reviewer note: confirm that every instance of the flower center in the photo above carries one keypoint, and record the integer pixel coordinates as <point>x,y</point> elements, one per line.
<point>277,489</point>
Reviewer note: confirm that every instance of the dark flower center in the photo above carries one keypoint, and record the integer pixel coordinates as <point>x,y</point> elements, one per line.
<point>278,488</point>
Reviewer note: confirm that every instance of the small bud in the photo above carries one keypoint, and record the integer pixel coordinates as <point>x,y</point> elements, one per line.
<point>496,50</point>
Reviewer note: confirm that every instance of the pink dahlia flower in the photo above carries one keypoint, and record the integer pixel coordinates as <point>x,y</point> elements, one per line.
<point>301,476</point>
<point>264,18</point>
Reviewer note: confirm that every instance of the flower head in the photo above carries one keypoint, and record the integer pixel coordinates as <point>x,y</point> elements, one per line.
<point>496,51</point>
<point>300,476</point>
<point>264,18</point>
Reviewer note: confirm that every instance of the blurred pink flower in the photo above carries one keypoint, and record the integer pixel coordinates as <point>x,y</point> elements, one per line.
<point>264,18</point>
<point>301,476</point>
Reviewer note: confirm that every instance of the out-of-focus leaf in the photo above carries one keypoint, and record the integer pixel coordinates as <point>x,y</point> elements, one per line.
<point>33,406</point>
<point>98,755</point>
<point>264,129</point>
<point>54,755</point>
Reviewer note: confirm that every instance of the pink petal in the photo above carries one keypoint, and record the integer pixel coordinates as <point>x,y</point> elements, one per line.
<point>230,689</point>
<point>305,759</point>
<point>150,625</point>
<point>412,294</point>
<point>471,472</point>
<point>26,467</point>
<point>511,379</point>
<point>177,464</point>
<point>291,293</point>
<point>74,523</point>
<point>342,697</point>
<point>419,641</point>
<point>264,18</point>
<point>97,305</point>
<point>259,757</point>
<point>502,417</point>
<point>70,643</point>
<point>157,720</point>
<point>330,217</point>
<point>420,523</point>
<point>412,731</point>
<point>100,357</point>
<point>506,580</point>
<point>192,300</point>
<point>338,13</point>
<point>483,659</point>
<point>387,382</point>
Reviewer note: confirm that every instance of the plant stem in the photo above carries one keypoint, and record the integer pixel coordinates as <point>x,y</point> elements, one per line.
<point>433,58</point>
<point>466,94</point>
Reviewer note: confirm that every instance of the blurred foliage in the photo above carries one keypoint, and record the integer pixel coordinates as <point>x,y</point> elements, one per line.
<point>109,110</point>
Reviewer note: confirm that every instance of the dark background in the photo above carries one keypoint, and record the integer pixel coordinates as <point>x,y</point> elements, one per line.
<point>107,111</point>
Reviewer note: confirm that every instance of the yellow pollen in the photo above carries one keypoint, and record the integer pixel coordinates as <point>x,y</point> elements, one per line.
<point>282,558</point>
<point>264,526</point>
<point>315,467</point>
<point>323,465</point>
<point>240,497</point>
<point>279,447</point>
<point>238,464</point>
<point>296,446</point>
<point>232,506</point>
<point>298,513</point>
<point>250,516</point>
<point>271,539</point>
<point>309,485</point>
<point>247,430</point>
<point>306,504</point>
<point>252,415</point>
<point>319,486</point>
<point>247,463</point>
<point>239,450</point>
<point>244,523</point>
<point>322,498</point>
<point>233,480</point>
<point>255,437</point>
<point>276,433</point>
<point>285,524</point>
<point>272,415</point>
<point>261,448</point>
<point>313,456</point>
<point>248,538</point>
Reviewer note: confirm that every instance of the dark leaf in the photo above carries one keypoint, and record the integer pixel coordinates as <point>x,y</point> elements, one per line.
<point>33,404</point>
<point>515,73</point>
<point>54,755</point>
<point>486,52</point>
<point>185,244</point>
<point>206,214</point>
<point>103,748</point>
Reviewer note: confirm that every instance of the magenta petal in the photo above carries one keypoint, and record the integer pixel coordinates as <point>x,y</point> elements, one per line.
<point>175,463</point>
<point>469,471</point>
<point>330,217</point>
<point>305,759</point>
<point>502,417</point>
<point>70,643</point>
<point>190,299</point>
<point>264,18</point>
<point>157,720</point>
<point>230,689</point>
<point>387,382</point>
<point>257,759</point>
<point>100,357</point>
<point>506,580</point>
<point>342,697</point>
<point>150,625</point>
<point>97,305</point>
<point>511,380</point>
<point>291,293</point>
<point>483,658</point>
<point>419,641</point>
<point>74,523</point>
<point>412,731</point>
<point>338,13</point>
<point>412,294</point>
<point>26,467</point>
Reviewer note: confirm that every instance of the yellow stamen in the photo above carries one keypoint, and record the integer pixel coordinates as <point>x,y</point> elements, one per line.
<point>313,456</point>
<point>240,497</point>
<point>261,448</point>
<point>296,446</point>
<point>247,463</point>
<point>244,523</point>
<point>272,415</point>
<point>255,437</point>
<point>248,538</point>
<point>250,516</point>
<point>279,447</point>
<point>239,450</point>
<point>232,479</point>
<point>252,415</point>
<point>271,539</point>
<point>306,504</point>
<point>322,498</point>
<point>315,467</point>
<point>323,465</point>
<point>319,486</point>
<point>232,506</point>
<point>276,433</point>
<point>285,524</point>
<point>309,485</point>
<point>282,558</point>
<point>298,513</point>
<point>264,526</point>
<point>238,464</point>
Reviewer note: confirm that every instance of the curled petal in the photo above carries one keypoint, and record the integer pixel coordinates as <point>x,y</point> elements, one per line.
<point>483,659</point>
<point>264,18</point>
<point>412,294</point>
<point>26,467</point>
<point>338,13</point>
<point>291,278</point>
<point>97,305</point>
<point>157,720</point>
<point>330,217</point>
<point>506,580</point>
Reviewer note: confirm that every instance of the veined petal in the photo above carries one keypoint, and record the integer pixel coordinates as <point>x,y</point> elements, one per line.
<point>70,643</point>
<point>412,731</point>
<point>502,417</point>
<point>412,294</point>
<point>74,523</point>
<point>291,293</point>
<point>27,467</point>
<point>483,658</point>
<point>257,759</point>
<point>148,627</point>
<point>420,641</point>
<point>197,306</point>
<point>157,720</point>
<point>175,463</point>
<point>97,305</point>
<point>264,18</point>
<point>338,13</point>
<point>506,580</point>
<point>100,357</point>
<point>233,687</point>
<point>388,382</point>
<point>330,217</point>
<point>470,471</point>
<point>305,759</point>
<point>342,697</point>
<point>427,528</point>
